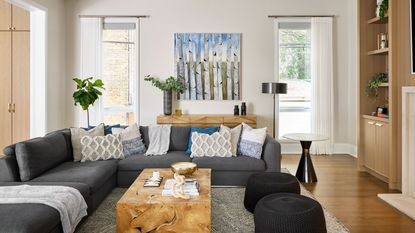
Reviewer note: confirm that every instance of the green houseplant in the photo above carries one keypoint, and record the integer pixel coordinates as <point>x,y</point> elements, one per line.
<point>373,84</point>
<point>87,92</point>
<point>167,86</point>
<point>382,9</point>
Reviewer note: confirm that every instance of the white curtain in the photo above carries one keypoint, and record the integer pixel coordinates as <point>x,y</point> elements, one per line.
<point>322,82</point>
<point>91,63</point>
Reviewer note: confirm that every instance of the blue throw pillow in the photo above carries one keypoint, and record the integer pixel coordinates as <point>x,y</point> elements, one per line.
<point>206,130</point>
<point>107,128</point>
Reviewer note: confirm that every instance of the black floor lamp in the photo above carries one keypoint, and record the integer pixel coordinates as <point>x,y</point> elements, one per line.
<point>274,88</point>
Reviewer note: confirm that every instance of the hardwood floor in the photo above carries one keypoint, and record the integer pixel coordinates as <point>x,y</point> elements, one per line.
<point>351,195</point>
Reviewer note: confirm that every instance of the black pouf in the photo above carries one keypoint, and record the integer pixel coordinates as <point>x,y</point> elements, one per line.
<point>261,184</point>
<point>289,213</point>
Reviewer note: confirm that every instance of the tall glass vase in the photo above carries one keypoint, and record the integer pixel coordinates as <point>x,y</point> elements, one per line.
<point>167,102</point>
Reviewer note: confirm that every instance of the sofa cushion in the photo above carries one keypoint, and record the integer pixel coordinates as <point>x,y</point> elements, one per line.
<point>139,162</point>
<point>240,163</point>
<point>94,174</point>
<point>78,133</point>
<point>28,218</point>
<point>205,130</point>
<point>67,134</point>
<point>38,155</point>
<point>179,138</point>
<point>144,135</point>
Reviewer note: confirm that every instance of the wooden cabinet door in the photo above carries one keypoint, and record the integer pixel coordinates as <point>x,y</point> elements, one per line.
<point>20,19</point>
<point>5,88</point>
<point>369,143</point>
<point>382,148</point>
<point>21,86</point>
<point>5,15</point>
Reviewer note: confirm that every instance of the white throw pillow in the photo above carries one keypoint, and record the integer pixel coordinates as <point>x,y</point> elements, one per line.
<point>235,136</point>
<point>252,141</point>
<point>78,133</point>
<point>216,145</point>
<point>101,147</point>
<point>131,140</point>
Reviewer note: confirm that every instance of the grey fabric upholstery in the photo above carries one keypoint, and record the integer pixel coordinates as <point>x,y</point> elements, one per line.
<point>67,134</point>
<point>139,162</point>
<point>94,174</point>
<point>102,192</point>
<point>29,218</point>
<point>82,188</point>
<point>271,154</point>
<point>240,163</point>
<point>9,171</point>
<point>9,150</point>
<point>38,155</point>
<point>179,137</point>
<point>144,135</point>
<point>126,178</point>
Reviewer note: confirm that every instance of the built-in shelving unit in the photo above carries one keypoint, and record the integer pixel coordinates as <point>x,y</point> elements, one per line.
<point>374,133</point>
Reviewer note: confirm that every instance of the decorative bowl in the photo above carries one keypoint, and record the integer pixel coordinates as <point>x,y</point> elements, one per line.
<point>184,168</point>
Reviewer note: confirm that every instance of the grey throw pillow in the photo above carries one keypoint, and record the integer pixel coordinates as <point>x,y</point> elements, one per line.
<point>77,134</point>
<point>131,140</point>
<point>38,155</point>
<point>252,141</point>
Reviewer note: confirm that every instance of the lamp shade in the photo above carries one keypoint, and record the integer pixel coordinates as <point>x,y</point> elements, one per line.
<point>274,88</point>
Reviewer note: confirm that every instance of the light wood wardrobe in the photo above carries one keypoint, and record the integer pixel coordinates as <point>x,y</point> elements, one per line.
<point>14,74</point>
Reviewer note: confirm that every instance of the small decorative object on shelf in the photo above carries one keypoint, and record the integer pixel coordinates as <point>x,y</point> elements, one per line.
<point>236,110</point>
<point>382,112</point>
<point>178,112</point>
<point>382,40</point>
<point>243,109</point>
<point>167,86</point>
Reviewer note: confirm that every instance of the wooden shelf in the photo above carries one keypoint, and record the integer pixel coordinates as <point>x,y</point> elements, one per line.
<point>386,120</point>
<point>378,52</point>
<point>377,20</point>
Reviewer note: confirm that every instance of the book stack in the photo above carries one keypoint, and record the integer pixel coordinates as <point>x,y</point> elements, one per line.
<point>190,187</point>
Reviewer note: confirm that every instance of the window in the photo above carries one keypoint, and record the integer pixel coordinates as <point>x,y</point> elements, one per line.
<point>119,73</point>
<point>294,68</point>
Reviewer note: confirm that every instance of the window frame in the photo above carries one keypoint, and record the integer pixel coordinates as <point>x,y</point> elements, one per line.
<point>277,23</point>
<point>135,79</point>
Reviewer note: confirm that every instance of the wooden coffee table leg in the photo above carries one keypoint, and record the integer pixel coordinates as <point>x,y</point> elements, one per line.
<point>305,171</point>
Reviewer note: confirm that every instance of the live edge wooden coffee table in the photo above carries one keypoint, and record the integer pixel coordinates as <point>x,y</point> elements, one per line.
<point>143,209</point>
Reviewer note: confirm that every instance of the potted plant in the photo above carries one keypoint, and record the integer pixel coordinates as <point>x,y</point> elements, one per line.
<point>87,92</point>
<point>167,86</point>
<point>382,8</point>
<point>373,84</point>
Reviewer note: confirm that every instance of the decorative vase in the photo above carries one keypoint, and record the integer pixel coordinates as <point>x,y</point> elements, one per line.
<point>243,109</point>
<point>236,110</point>
<point>167,101</point>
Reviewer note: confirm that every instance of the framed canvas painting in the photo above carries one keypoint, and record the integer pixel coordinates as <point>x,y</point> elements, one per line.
<point>209,65</point>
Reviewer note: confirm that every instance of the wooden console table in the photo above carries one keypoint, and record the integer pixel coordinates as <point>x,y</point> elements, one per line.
<point>207,120</point>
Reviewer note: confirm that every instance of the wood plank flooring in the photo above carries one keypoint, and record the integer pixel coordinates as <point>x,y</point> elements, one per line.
<point>351,195</point>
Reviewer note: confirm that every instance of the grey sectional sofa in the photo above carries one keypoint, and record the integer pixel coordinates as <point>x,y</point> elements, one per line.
<point>95,180</point>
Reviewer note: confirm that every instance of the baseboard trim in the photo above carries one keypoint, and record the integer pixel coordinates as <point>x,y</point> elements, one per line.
<point>339,148</point>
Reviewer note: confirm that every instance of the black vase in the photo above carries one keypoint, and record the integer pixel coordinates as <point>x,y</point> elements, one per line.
<point>167,101</point>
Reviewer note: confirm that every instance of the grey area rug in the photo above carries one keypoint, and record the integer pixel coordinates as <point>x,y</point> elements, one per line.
<point>228,213</point>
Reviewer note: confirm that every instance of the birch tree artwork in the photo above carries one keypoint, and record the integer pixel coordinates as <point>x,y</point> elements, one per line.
<point>209,64</point>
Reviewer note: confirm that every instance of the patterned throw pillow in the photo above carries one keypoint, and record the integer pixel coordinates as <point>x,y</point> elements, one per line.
<point>252,141</point>
<point>101,148</point>
<point>131,140</point>
<point>235,136</point>
<point>216,145</point>
<point>205,130</point>
<point>78,133</point>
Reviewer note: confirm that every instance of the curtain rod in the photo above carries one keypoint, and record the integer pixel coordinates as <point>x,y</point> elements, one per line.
<point>299,16</point>
<point>114,16</point>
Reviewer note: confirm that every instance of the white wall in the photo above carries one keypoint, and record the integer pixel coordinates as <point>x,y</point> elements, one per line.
<point>55,64</point>
<point>242,16</point>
